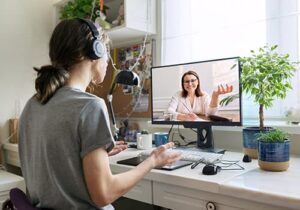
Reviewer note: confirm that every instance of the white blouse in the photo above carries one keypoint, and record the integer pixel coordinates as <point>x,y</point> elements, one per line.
<point>179,104</point>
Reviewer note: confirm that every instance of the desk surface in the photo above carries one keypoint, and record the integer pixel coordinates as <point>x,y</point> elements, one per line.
<point>274,188</point>
<point>253,184</point>
<point>9,180</point>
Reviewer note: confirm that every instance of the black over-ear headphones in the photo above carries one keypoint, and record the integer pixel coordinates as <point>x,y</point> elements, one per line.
<point>98,49</point>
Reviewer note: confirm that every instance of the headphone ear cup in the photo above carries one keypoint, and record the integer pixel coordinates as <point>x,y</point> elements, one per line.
<point>98,50</point>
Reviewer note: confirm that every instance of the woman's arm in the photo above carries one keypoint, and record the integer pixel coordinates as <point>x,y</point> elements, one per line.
<point>105,187</point>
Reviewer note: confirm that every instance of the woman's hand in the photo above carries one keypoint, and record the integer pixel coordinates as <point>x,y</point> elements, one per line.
<point>119,147</point>
<point>223,90</point>
<point>162,156</point>
<point>187,117</point>
<point>191,117</point>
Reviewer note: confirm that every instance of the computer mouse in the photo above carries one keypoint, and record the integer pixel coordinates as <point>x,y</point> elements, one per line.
<point>247,159</point>
<point>210,169</point>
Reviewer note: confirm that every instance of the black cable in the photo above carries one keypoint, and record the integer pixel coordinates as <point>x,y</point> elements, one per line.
<point>229,165</point>
<point>176,142</point>
<point>170,131</point>
<point>187,143</point>
<point>194,130</point>
<point>181,136</point>
<point>190,142</point>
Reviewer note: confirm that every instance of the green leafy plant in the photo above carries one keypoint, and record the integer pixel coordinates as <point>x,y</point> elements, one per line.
<point>82,9</point>
<point>144,131</point>
<point>265,76</point>
<point>227,100</point>
<point>272,136</point>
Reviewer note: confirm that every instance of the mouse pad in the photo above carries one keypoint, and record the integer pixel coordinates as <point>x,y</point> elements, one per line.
<point>137,160</point>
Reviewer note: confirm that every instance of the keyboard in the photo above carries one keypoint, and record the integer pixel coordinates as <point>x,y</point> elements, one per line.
<point>192,154</point>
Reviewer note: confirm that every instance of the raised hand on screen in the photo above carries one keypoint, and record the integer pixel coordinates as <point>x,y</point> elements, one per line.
<point>223,90</point>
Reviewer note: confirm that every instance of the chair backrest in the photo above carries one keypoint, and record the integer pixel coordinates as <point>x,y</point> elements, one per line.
<point>18,201</point>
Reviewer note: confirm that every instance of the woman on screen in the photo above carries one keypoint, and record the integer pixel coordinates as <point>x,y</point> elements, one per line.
<point>191,102</point>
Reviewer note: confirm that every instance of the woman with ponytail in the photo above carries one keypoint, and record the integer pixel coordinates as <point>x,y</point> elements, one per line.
<point>64,133</point>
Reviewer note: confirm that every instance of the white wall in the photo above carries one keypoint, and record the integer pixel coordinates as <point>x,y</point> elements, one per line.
<point>25,29</point>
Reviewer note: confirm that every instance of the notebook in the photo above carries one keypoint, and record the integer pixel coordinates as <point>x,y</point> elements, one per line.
<point>138,159</point>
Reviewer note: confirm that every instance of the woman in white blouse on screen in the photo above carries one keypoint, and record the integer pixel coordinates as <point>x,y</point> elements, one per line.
<point>191,101</point>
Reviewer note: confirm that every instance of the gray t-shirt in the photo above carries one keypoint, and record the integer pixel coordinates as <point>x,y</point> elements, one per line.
<point>53,139</point>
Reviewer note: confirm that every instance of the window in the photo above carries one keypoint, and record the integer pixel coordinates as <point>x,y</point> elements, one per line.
<point>194,30</point>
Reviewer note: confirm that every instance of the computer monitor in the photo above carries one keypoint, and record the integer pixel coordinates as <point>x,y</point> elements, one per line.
<point>173,101</point>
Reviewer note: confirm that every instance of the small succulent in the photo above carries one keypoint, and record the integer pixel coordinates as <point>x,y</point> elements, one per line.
<point>144,131</point>
<point>272,136</point>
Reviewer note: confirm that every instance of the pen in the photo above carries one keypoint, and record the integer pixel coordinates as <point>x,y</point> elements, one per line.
<point>196,163</point>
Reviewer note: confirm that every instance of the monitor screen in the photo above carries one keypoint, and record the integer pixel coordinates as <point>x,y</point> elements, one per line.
<point>203,93</point>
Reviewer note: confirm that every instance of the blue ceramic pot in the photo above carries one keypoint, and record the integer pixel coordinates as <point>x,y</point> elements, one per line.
<point>274,152</point>
<point>250,141</point>
<point>274,156</point>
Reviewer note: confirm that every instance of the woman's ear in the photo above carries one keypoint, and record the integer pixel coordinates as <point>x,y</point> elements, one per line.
<point>94,61</point>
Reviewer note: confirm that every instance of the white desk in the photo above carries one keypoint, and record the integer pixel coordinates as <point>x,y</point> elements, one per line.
<point>188,189</point>
<point>7,182</point>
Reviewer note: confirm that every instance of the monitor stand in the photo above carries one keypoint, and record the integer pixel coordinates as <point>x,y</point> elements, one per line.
<point>205,140</point>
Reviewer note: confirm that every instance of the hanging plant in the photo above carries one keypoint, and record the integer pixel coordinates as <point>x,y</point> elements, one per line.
<point>82,9</point>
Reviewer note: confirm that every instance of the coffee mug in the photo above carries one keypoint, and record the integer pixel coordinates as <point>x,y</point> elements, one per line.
<point>144,141</point>
<point>160,138</point>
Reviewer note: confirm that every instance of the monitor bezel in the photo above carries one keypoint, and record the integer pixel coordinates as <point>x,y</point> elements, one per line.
<point>195,124</point>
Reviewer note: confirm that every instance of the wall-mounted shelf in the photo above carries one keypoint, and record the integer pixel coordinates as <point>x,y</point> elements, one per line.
<point>139,19</point>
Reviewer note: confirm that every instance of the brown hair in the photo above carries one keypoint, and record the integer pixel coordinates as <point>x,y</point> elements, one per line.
<point>70,43</point>
<point>198,91</point>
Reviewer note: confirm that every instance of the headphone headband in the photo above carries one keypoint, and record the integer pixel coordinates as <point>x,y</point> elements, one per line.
<point>98,49</point>
<point>92,28</point>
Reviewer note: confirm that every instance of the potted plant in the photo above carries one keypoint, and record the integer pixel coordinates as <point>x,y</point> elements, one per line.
<point>144,131</point>
<point>82,9</point>
<point>265,76</point>
<point>273,150</point>
<point>88,9</point>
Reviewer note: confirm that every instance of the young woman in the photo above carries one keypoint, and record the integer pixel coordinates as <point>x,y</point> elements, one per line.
<point>191,100</point>
<point>64,134</point>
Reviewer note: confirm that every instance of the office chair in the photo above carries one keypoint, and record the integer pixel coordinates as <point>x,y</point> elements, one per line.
<point>18,201</point>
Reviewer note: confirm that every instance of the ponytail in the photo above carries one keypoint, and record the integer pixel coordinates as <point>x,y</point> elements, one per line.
<point>49,80</point>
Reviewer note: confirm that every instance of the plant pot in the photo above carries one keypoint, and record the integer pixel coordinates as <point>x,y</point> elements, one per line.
<point>274,156</point>
<point>250,140</point>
